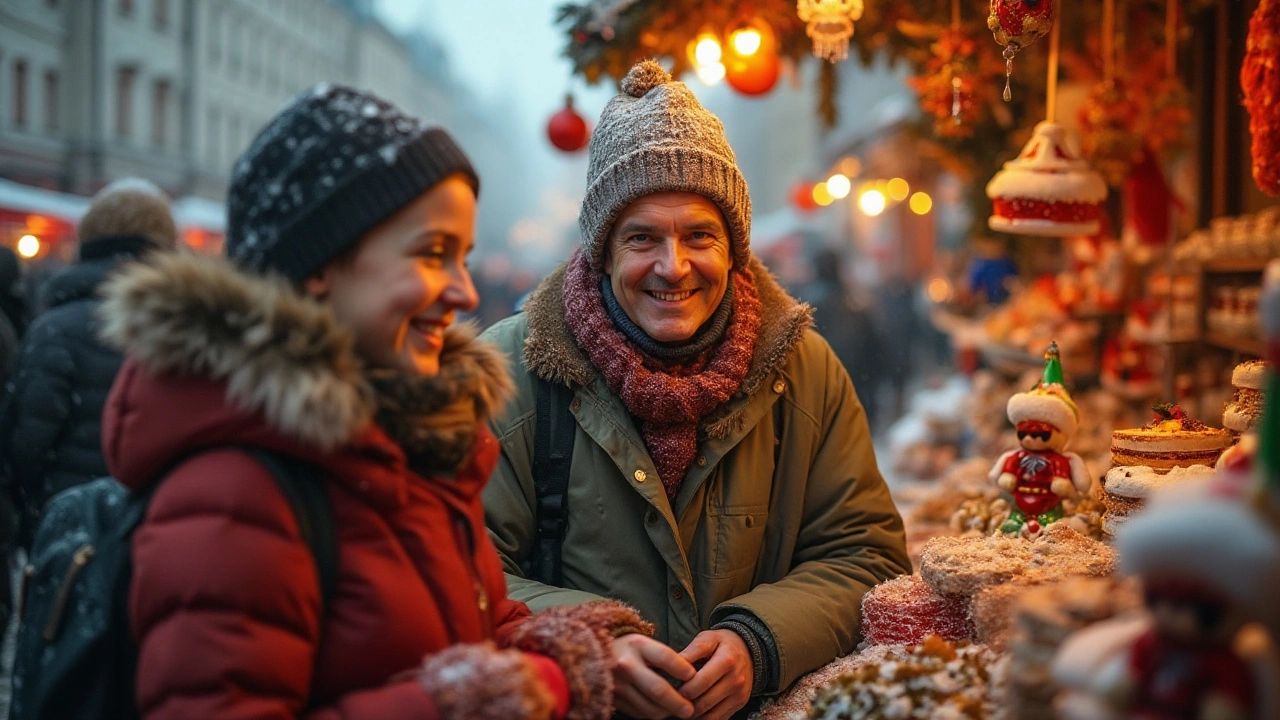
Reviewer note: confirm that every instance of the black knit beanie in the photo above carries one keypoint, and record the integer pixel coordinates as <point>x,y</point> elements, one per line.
<point>330,166</point>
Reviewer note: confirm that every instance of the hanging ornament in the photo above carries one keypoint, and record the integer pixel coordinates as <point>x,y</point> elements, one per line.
<point>1109,130</point>
<point>567,130</point>
<point>1015,25</point>
<point>949,88</point>
<point>830,25</point>
<point>750,59</point>
<point>1048,190</point>
<point>1260,79</point>
<point>1167,117</point>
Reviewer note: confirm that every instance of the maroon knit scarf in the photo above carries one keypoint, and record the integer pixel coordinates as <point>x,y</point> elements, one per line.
<point>668,401</point>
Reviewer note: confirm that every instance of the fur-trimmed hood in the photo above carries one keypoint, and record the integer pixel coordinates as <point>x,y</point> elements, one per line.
<point>284,360</point>
<point>552,354</point>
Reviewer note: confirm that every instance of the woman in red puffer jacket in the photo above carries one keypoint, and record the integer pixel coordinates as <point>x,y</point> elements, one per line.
<point>328,337</point>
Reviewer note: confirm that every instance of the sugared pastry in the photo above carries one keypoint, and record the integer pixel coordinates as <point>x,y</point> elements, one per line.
<point>1170,440</point>
<point>1048,190</point>
<point>935,679</point>
<point>905,610</point>
<point>964,566</point>
<point>1125,489</point>
<point>1245,408</point>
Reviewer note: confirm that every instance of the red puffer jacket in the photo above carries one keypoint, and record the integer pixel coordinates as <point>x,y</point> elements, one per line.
<point>225,601</point>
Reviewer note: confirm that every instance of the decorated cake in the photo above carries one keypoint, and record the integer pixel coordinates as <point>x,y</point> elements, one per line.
<point>1170,440</point>
<point>1125,489</point>
<point>1245,409</point>
<point>906,610</point>
<point>964,566</point>
<point>1048,190</point>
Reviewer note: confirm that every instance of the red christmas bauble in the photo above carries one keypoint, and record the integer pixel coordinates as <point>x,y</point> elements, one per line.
<point>567,130</point>
<point>754,74</point>
<point>802,197</point>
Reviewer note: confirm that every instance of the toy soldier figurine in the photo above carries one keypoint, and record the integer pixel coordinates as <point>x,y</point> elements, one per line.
<point>1039,474</point>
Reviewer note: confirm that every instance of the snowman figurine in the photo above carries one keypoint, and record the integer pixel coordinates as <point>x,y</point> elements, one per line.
<point>1040,473</point>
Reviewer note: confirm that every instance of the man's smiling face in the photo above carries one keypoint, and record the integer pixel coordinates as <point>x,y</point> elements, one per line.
<point>668,263</point>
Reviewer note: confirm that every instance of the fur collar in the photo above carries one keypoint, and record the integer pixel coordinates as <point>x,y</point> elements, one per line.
<point>552,354</point>
<point>286,356</point>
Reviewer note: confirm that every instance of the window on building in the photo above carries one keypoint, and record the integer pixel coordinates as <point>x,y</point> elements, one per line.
<point>160,14</point>
<point>51,102</point>
<point>159,112</point>
<point>233,138</point>
<point>20,93</point>
<point>215,37</point>
<point>125,77</point>
<point>126,7</point>
<point>233,46</point>
<point>213,137</point>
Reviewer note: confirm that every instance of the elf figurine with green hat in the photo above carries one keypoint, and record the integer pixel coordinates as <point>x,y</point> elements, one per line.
<point>1039,474</point>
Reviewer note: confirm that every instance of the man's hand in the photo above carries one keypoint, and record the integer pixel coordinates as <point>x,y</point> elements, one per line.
<point>638,691</point>
<point>723,685</point>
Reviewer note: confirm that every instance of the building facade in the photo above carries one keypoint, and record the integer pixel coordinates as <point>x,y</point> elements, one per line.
<point>174,90</point>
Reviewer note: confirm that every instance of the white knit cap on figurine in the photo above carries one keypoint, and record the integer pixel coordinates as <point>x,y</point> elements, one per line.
<point>1049,401</point>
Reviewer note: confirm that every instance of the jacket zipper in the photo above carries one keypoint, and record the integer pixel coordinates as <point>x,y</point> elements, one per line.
<point>467,544</point>
<point>78,561</point>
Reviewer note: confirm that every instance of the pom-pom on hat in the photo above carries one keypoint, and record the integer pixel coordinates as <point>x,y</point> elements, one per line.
<point>1049,401</point>
<point>656,137</point>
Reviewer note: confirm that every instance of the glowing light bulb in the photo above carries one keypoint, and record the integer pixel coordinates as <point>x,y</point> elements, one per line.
<point>839,186</point>
<point>707,51</point>
<point>822,194</point>
<point>898,189</point>
<point>872,202</point>
<point>921,203</point>
<point>746,42</point>
<point>28,246</point>
<point>710,74</point>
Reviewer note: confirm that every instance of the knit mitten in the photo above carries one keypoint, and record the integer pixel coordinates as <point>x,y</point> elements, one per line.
<point>481,682</point>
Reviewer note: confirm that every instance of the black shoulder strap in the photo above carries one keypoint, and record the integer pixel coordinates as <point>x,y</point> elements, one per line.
<point>552,457</point>
<point>310,502</point>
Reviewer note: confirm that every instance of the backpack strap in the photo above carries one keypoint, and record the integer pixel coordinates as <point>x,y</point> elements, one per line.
<point>552,459</point>
<point>299,481</point>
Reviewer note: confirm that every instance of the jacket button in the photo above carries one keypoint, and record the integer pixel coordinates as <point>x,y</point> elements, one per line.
<point>751,521</point>
<point>574,405</point>
<point>651,517</point>
<point>639,476</point>
<point>677,593</point>
<point>702,460</point>
<point>779,386</point>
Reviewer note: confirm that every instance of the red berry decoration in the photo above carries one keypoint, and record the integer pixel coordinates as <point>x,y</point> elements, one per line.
<point>1260,80</point>
<point>567,130</point>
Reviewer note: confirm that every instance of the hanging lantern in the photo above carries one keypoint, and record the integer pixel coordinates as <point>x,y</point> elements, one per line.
<point>567,130</point>
<point>751,59</point>
<point>1048,190</point>
<point>830,25</point>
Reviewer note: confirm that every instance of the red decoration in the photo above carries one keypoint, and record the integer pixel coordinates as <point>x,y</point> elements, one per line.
<point>754,74</point>
<point>1018,23</point>
<point>567,130</point>
<point>953,87</point>
<point>1260,79</point>
<point>802,197</point>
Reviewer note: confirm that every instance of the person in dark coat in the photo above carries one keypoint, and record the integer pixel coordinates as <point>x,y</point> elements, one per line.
<point>13,311</point>
<point>51,427</point>
<point>850,330</point>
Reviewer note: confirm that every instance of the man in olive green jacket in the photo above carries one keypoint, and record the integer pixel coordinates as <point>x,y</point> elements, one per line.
<point>722,478</point>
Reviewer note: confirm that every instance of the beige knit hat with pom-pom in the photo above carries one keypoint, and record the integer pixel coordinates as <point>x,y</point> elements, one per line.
<point>656,137</point>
